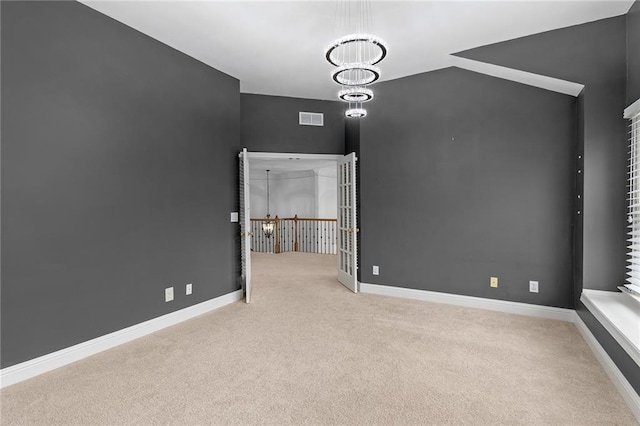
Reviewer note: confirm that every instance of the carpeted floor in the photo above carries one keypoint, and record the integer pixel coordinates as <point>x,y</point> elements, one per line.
<point>307,351</point>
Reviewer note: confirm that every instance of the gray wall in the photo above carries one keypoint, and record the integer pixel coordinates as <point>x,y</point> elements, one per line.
<point>633,53</point>
<point>270,124</point>
<point>352,136</point>
<point>597,55</point>
<point>118,177</point>
<point>468,181</point>
<point>593,54</point>
<point>578,223</point>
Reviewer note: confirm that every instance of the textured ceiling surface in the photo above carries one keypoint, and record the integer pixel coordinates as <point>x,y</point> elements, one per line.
<point>277,47</point>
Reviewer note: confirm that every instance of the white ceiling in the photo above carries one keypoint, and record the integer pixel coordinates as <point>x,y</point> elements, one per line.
<point>277,47</point>
<point>278,166</point>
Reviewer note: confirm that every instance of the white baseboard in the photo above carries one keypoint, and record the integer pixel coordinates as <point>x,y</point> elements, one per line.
<point>539,311</point>
<point>619,381</point>
<point>28,369</point>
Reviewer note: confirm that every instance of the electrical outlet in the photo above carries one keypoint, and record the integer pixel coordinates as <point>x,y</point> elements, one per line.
<point>533,286</point>
<point>493,282</point>
<point>168,294</point>
<point>189,289</point>
<point>376,270</point>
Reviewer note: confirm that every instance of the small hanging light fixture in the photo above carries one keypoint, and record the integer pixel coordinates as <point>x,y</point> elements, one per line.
<point>267,226</point>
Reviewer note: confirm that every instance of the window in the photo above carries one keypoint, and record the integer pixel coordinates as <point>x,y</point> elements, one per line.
<point>633,280</point>
<point>618,313</point>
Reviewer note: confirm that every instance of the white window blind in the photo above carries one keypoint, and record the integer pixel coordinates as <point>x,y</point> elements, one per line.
<point>634,201</point>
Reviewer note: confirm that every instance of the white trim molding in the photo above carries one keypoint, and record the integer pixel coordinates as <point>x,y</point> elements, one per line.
<point>619,381</point>
<point>560,314</point>
<point>286,155</point>
<point>34,367</point>
<point>632,110</point>
<point>524,77</point>
<point>619,315</point>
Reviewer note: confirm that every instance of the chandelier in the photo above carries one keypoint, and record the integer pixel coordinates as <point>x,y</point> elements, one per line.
<point>354,57</point>
<point>267,226</point>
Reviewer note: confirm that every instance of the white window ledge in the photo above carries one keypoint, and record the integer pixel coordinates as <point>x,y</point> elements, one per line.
<point>619,314</point>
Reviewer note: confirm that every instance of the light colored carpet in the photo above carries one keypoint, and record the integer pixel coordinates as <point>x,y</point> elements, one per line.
<point>307,351</point>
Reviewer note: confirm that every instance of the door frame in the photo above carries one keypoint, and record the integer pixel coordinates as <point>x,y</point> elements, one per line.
<point>347,227</point>
<point>244,222</point>
<point>286,155</point>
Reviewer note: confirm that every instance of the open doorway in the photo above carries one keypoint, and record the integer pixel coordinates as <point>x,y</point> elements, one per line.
<point>300,197</point>
<point>321,187</point>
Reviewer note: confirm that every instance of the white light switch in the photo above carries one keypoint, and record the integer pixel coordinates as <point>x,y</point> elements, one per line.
<point>376,270</point>
<point>533,286</point>
<point>234,216</point>
<point>189,289</point>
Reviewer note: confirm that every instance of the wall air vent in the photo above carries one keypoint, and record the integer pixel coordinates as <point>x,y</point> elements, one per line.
<point>311,119</point>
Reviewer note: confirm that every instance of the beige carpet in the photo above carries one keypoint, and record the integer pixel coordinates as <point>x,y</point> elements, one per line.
<point>307,351</point>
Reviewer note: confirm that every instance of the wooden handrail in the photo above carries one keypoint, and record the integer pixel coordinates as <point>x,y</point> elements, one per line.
<point>299,218</point>
<point>319,236</point>
<point>309,218</point>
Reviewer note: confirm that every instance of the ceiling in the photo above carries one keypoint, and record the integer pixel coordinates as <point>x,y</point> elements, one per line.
<point>277,47</point>
<point>284,166</point>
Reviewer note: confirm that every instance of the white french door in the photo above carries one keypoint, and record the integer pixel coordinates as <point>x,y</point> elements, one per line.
<point>245,225</point>
<point>347,226</point>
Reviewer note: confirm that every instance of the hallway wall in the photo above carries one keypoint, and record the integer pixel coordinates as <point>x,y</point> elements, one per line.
<point>291,193</point>
<point>306,193</point>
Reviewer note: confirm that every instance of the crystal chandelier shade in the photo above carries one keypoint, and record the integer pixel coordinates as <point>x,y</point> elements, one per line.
<point>356,113</point>
<point>356,74</point>
<point>354,57</point>
<point>356,94</point>
<point>369,48</point>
